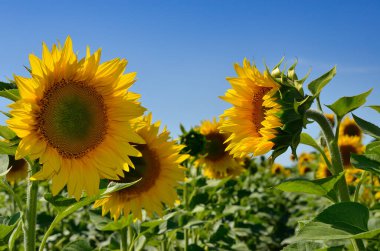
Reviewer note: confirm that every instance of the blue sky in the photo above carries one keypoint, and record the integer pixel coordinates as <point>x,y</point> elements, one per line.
<point>183,50</point>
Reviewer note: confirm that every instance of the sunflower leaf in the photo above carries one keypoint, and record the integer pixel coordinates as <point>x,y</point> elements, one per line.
<point>317,85</point>
<point>105,224</point>
<point>7,224</point>
<point>4,163</point>
<point>306,139</point>
<point>7,148</point>
<point>375,107</point>
<point>367,127</point>
<point>336,222</point>
<point>368,162</point>
<point>78,245</point>
<point>6,133</point>
<point>345,105</point>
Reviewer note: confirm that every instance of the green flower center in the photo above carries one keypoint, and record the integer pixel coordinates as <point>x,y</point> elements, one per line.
<point>147,168</point>
<point>72,118</point>
<point>215,148</point>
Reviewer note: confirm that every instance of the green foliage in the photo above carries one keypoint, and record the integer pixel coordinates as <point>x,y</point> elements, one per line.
<point>316,86</point>
<point>367,127</point>
<point>345,105</point>
<point>11,94</point>
<point>7,224</point>
<point>4,162</point>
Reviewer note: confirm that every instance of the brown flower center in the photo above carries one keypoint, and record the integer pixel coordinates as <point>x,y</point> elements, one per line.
<point>215,148</point>
<point>352,130</point>
<point>72,118</point>
<point>259,110</point>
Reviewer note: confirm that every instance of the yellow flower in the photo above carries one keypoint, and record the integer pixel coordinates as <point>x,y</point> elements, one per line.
<point>278,169</point>
<point>322,171</point>
<point>352,176</point>
<point>331,118</point>
<point>305,163</point>
<point>349,128</point>
<point>252,121</point>
<point>159,169</point>
<point>217,162</point>
<point>348,145</point>
<point>18,170</point>
<point>74,116</point>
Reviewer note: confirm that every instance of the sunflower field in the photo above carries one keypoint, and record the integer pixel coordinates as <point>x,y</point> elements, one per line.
<point>84,165</point>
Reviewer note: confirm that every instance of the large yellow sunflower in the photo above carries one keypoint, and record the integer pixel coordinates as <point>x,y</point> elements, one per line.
<point>348,145</point>
<point>217,162</point>
<point>18,170</point>
<point>74,115</point>
<point>252,121</point>
<point>349,128</point>
<point>159,169</point>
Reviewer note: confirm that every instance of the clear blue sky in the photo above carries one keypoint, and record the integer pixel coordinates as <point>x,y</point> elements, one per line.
<point>183,50</point>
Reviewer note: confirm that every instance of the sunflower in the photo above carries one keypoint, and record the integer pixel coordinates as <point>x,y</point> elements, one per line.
<point>305,163</point>
<point>217,162</point>
<point>322,171</point>
<point>278,169</point>
<point>159,169</point>
<point>74,116</point>
<point>348,145</point>
<point>349,128</point>
<point>331,118</point>
<point>18,170</point>
<point>252,121</point>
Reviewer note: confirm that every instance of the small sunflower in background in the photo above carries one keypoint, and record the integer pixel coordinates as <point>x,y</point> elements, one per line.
<point>348,145</point>
<point>322,171</point>
<point>349,128</point>
<point>74,116</point>
<point>18,170</point>
<point>278,169</point>
<point>253,119</point>
<point>331,118</point>
<point>160,170</point>
<point>305,163</point>
<point>216,161</point>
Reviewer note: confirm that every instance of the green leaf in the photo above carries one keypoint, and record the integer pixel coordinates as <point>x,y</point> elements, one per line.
<point>317,85</point>
<point>115,186</point>
<point>4,163</point>
<point>306,139</point>
<point>14,236</point>
<point>105,224</point>
<point>6,133</point>
<point>12,94</point>
<point>6,86</point>
<point>375,107</point>
<point>368,162</point>
<point>318,187</point>
<point>59,202</point>
<point>343,220</point>
<point>7,224</point>
<point>373,148</point>
<point>8,148</point>
<point>82,245</point>
<point>367,127</point>
<point>345,105</point>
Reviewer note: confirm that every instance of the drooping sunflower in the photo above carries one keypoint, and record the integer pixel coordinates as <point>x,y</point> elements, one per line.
<point>252,121</point>
<point>348,145</point>
<point>159,169</point>
<point>74,116</point>
<point>18,170</point>
<point>217,162</point>
<point>278,169</point>
<point>349,128</point>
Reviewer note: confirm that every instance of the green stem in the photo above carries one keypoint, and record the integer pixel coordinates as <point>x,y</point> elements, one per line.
<point>332,143</point>
<point>123,239</point>
<point>31,211</point>
<point>185,198</point>
<point>357,189</point>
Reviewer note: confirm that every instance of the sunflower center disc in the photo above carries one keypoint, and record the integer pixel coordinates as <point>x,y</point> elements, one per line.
<point>72,118</point>
<point>352,130</point>
<point>258,108</point>
<point>147,168</point>
<point>215,147</point>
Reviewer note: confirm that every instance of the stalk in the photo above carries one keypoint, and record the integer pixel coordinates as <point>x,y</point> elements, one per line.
<point>124,239</point>
<point>30,219</point>
<point>332,144</point>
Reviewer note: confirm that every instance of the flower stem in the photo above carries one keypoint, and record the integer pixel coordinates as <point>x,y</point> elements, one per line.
<point>31,211</point>
<point>123,239</point>
<point>332,143</point>
<point>357,190</point>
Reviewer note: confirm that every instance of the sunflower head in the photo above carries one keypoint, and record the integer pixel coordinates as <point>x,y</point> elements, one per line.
<point>159,170</point>
<point>348,145</point>
<point>349,128</point>
<point>267,113</point>
<point>75,117</point>
<point>322,171</point>
<point>306,163</point>
<point>216,160</point>
<point>278,169</point>
<point>193,140</point>
<point>18,170</point>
